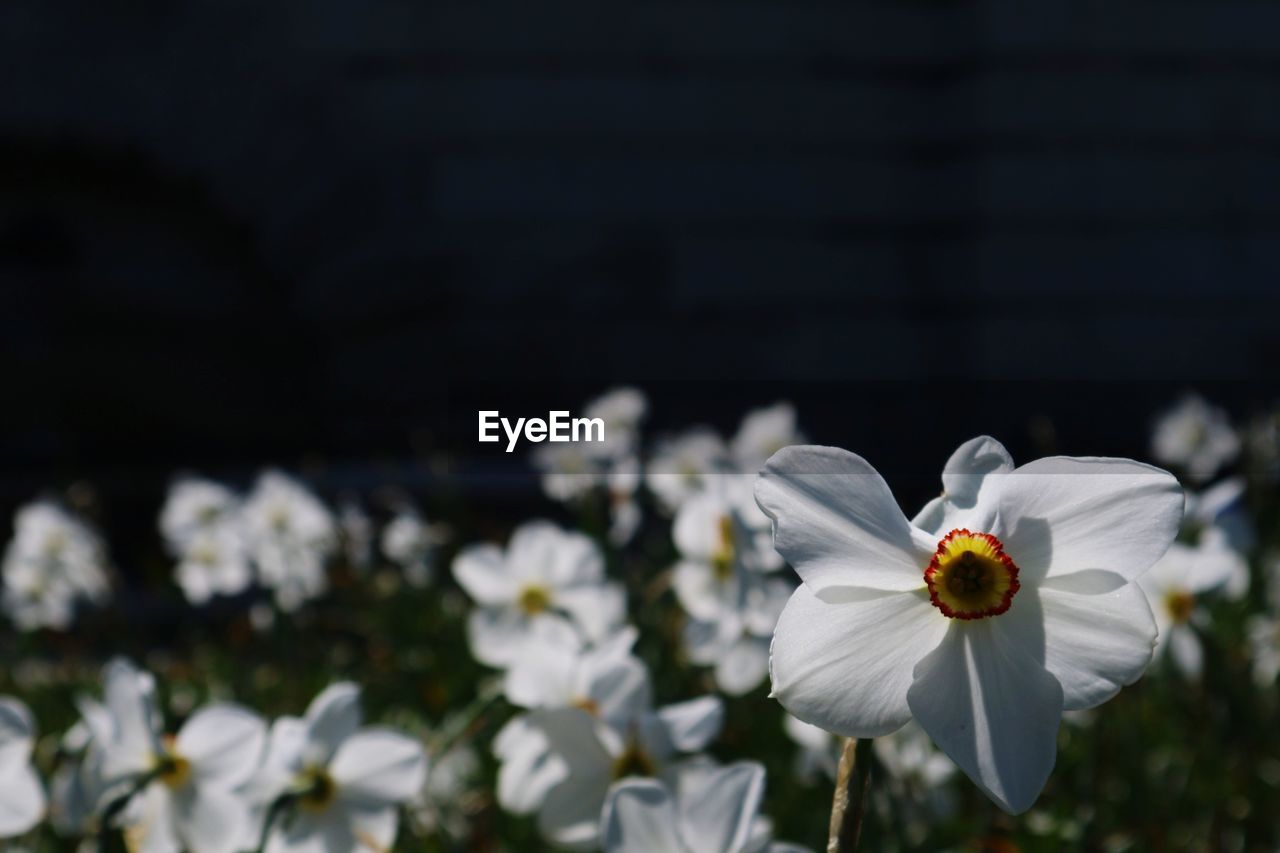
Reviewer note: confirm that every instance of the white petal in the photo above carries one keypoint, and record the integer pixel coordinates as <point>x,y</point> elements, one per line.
<point>498,635</point>
<point>378,767</point>
<point>993,709</point>
<point>700,592</point>
<point>717,806</point>
<point>332,717</point>
<point>1060,515</point>
<point>541,676</point>
<point>570,815</point>
<point>743,666</point>
<point>529,768</point>
<point>693,724</point>
<point>210,820</point>
<point>846,667</point>
<point>837,523</point>
<point>482,572</point>
<point>22,801</point>
<point>639,817</point>
<point>223,743</point>
<point>1187,653</point>
<point>1093,644</point>
<point>598,610</point>
<point>964,477</point>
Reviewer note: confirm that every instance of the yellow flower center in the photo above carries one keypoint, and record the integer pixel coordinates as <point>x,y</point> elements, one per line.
<point>633,761</point>
<point>1179,604</point>
<point>587,704</point>
<point>534,599</point>
<point>318,790</point>
<point>722,557</point>
<point>172,769</point>
<point>970,576</point>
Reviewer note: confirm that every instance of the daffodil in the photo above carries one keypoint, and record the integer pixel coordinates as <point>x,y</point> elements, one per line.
<point>682,465</point>
<point>1010,601</point>
<point>53,562</point>
<point>547,583</point>
<point>1196,437</point>
<point>290,535</point>
<point>180,792</point>
<point>700,807</point>
<point>22,799</point>
<point>327,784</point>
<point>410,542</point>
<point>1174,586</point>
<point>819,751</point>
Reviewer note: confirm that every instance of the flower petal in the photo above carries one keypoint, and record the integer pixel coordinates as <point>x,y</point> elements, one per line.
<point>22,801</point>
<point>743,666</point>
<point>993,709</point>
<point>482,572</point>
<point>1094,644</point>
<point>846,667</point>
<point>837,523</point>
<point>223,743</point>
<point>1060,515</point>
<point>639,817</point>
<point>332,717</point>
<point>529,769</point>
<point>717,805</point>
<point>965,476</point>
<point>693,724</point>
<point>378,767</point>
<point>209,819</point>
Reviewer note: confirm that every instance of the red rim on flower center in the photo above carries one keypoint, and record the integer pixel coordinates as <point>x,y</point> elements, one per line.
<point>970,576</point>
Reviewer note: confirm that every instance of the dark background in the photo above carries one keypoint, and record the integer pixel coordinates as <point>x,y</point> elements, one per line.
<point>322,234</point>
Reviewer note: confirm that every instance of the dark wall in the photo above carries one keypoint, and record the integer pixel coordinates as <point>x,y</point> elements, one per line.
<point>234,232</point>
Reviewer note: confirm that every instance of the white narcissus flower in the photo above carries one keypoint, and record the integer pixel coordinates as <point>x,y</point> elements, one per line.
<point>681,466</point>
<point>623,482</point>
<point>622,410</point>
<point>291,535</point>
<point>340,785</point>
<point>1196,437</point>
<point>702,807</point>
<point>201,526</point>
<point>182,790</point>
<point>548,583</point>
<point>571,470</point>
<point>448,794</point>
<point>193,507</point>
<point>763,433</point>
<point>1172,586</point>
<point>726,546</point>
<point>53,562</point>
<point>1016,605</point>
<point>410,542</point>
<point>1264,649</point>
<point>22,800</point>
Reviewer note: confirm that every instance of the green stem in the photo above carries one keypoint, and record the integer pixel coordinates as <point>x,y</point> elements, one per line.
<point>849,805</point>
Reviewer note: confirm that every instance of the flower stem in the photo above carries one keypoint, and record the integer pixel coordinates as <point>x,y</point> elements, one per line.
<point>853,780</point>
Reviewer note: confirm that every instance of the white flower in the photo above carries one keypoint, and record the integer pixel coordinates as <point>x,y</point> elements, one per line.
<point>704,807</point>
<point>918,775</point>
<point>357,534</point>
<point>441,802</point>
<point>291,536</point>
<point>1017,606</point>
<point>819,749</point>
<point>571,470</point>
<point>681,466</point>
<point>1264,649</point>
<point>1173,584</point>
<point>621,409</point>
<point>340,786</point>
<point>726,545</point>
<point>195,507</point>
<point>548,582</point>
<point>1196,437</point>
<point>22,799</point>
<point>182,790</point>
<point>53,562</point>
<point>763,433</point>
<point>1216,521</point>
<point>76,786</point>
<point>410,542</point>
<point>623,481</point>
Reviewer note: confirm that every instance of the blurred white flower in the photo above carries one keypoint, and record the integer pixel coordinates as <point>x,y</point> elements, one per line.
<point>181,791</point>
<point>548,583</point>
<point>681,466</point>
<point>290,536</point>
<point>1172,586</point>
<point>918,775</point>
<point>76,787</point>
<point>440,804</point>
<point>195,507</point>
<point>623,482</point>
<point>326,784</point>
<point>606,680</point>
<point>1027,594</point>
<point>763,433</point>
<point>1264,649</point>
<point>701,807</point>
<point>819,749</point>
<point>1218,524</point>
<point>22,800</point>
<point>1196,437</point>
<point>410,542</point>
<point>357,534</point>
<point>53,562</point>
<point>573,469</point>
